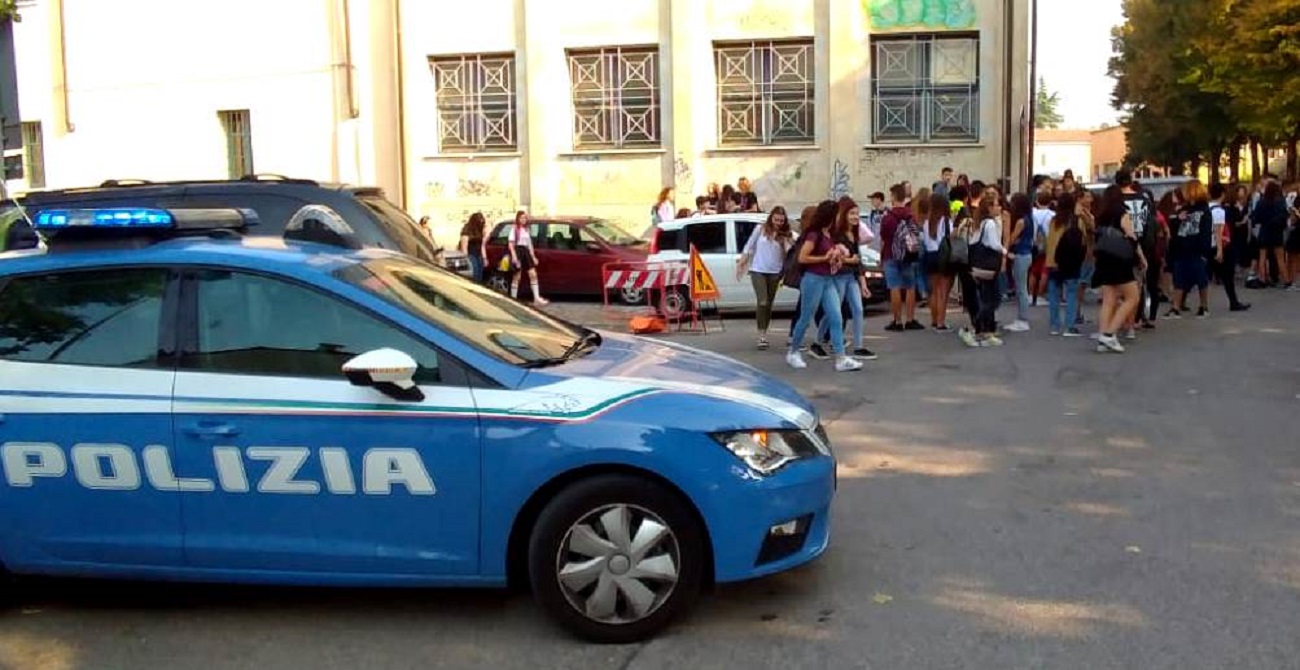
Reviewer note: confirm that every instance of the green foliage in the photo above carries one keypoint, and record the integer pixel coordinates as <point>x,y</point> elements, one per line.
<point>8,9</point>
<point>1197,75</point>
<point>1047,110</point>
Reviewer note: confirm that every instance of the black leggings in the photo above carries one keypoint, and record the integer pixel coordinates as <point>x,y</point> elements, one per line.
<point>1227,274</point>
<point>1153,277</point>
<point>970,298</point>
<point>986,322</point>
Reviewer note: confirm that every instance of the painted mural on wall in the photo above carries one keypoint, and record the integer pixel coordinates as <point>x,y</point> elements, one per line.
<point>927,14</point>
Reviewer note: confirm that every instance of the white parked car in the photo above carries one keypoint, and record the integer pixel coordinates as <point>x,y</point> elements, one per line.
<point>720,238</point>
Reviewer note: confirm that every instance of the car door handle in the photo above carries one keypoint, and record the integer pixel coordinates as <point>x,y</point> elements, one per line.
<point>211,429</point>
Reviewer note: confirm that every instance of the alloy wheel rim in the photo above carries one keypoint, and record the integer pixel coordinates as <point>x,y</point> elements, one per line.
<point>618,564</point>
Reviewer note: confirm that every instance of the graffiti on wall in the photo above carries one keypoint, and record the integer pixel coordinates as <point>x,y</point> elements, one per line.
<point>840,185</point>
<point>886,167</point>
<point>685,181</point>
<point>913,14</point>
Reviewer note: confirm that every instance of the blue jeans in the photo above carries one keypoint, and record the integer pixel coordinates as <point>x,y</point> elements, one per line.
<point>1021,270</point>
<point>476,268</point>
<point>922,281</point>
<point>818,290</point>
<point>1054,287</point>
<point>847,287</point>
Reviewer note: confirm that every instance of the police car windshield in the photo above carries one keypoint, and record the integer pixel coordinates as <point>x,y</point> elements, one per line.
<point>399,227</point>
<point>503,328</point>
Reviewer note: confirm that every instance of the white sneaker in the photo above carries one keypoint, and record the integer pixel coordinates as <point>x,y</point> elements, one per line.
<point>1131,335</point>
<point>1018,327</point>
<point>1112,343</point>
<point>967,337</point>
<point>795,359</point>
<point>847,364</point>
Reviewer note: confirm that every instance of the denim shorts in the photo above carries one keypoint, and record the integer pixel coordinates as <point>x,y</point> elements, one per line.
<point>899,276</point>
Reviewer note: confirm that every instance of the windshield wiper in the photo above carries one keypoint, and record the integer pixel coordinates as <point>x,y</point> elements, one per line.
<point>588,340</point>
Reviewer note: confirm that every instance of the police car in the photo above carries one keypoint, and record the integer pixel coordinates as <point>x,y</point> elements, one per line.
<point>181,400</point>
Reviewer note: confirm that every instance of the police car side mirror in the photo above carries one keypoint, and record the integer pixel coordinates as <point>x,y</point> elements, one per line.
<point>388,371</point>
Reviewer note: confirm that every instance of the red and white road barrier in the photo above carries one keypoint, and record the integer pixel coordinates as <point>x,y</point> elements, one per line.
<point>647,277</point>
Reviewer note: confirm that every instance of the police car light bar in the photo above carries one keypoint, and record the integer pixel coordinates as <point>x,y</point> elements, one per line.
<point>104,218</point>
<point>145,218</point>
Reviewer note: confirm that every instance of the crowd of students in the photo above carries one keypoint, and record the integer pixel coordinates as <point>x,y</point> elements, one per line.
<point>1060,242</point>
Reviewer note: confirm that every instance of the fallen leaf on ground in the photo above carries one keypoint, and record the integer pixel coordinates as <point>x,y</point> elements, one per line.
<point>882,598</point>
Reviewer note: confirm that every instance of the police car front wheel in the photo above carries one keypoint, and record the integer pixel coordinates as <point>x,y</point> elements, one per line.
<point>616,558</point>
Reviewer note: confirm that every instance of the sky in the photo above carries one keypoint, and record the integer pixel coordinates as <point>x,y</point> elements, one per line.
<point>1073,53</point>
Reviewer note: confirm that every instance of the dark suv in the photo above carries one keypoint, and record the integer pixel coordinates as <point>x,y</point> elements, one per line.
<point>373,220</point>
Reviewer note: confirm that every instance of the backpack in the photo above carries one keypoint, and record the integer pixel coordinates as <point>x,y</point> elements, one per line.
<point>907,241</point>
<point>792,269</point>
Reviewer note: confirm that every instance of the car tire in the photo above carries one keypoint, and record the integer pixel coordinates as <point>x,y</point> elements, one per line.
<point>676,303</point>
<point>615,559</point>
<point>499,282</point>
<point>631,296</point>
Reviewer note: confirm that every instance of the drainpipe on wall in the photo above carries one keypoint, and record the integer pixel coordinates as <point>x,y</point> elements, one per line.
<point>399,65</point>
<point>1008,68</point>
<point>1033,86</point>
<point>60,54</point>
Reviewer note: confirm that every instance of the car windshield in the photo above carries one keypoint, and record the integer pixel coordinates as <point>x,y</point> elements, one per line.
<point>400,227</point>
<point>612,234</point>
<point>504,328</point>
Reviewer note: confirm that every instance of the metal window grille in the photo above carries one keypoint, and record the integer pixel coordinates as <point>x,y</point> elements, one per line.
<point>34,154</point>
<point>925,89</point>
<point>476,102</point>
<point>239,142</point>
<point>615,97</point>
<point>766,92</point>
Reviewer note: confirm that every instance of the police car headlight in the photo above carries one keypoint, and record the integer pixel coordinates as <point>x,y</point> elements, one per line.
<point>766,451</point>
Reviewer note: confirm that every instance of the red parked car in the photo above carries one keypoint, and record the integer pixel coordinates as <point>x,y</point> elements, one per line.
<point>571,252</point>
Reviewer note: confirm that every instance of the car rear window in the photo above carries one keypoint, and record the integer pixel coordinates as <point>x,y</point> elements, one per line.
<point>399,227</point>
<point>668,240</point>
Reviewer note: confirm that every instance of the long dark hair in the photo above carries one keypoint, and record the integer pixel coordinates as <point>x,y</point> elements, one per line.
<point>843,226</point>
<point>475,226</point>
<point>1065,214</point>
<point>519,218</point>
<point>1112,204</point>
<point>1273,192</point>
<point>822,219</point>
<point>940,207</point>
<point>1022,209</point>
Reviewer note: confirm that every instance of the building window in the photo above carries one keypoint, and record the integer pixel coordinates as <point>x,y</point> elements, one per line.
<point>925,88</point>
<point>615,97</point>
<point>239,142</point>
<point>765,92</point>
<point>476,102</point>
<point>34,154</point>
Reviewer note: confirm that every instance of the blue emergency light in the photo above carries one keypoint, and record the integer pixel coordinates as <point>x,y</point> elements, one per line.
<point>105,218</point>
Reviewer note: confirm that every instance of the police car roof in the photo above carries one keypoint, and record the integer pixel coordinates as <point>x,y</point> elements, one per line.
<point>289,257</point>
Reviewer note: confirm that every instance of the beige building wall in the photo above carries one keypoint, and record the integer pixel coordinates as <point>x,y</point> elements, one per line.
<point>544,172</point>
<point>121,99</point>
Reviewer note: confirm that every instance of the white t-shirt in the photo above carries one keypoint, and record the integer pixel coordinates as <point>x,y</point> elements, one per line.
<point>1043,220</point>
<point>521,237</point>
<point>767,256</point>
<point>865,236</point>
<point>1219,217</point>
<point>990,235</point>
<point>932,243</point>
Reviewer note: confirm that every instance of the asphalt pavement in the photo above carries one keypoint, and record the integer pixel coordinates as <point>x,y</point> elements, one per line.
<point>1034,506</point>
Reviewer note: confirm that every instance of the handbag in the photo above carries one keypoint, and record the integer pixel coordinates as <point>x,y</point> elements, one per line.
<point>792,269</point>
<point>985,261</point>
<point>954,251</point>
<point>1113,244</point>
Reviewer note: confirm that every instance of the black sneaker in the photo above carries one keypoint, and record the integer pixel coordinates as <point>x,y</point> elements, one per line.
<point>1202,313</point>
<point>818,351</point>
<point>894,327</point>
<point>1239,307</point>
<point>913,325</point>
<point>864,355</point>
<point>1148,325</point>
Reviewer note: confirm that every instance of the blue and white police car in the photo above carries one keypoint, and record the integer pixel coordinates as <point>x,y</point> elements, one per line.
<point>181,400</point>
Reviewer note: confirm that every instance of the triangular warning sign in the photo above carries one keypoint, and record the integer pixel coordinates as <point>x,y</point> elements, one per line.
<point>702,285</point>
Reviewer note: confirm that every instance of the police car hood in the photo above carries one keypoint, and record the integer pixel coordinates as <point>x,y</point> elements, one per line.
<point>671,366</point>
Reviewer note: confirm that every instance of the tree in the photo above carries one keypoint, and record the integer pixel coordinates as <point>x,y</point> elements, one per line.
<point>1174,121</point>
<point>8,10</point>
<point>1046,114</point>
